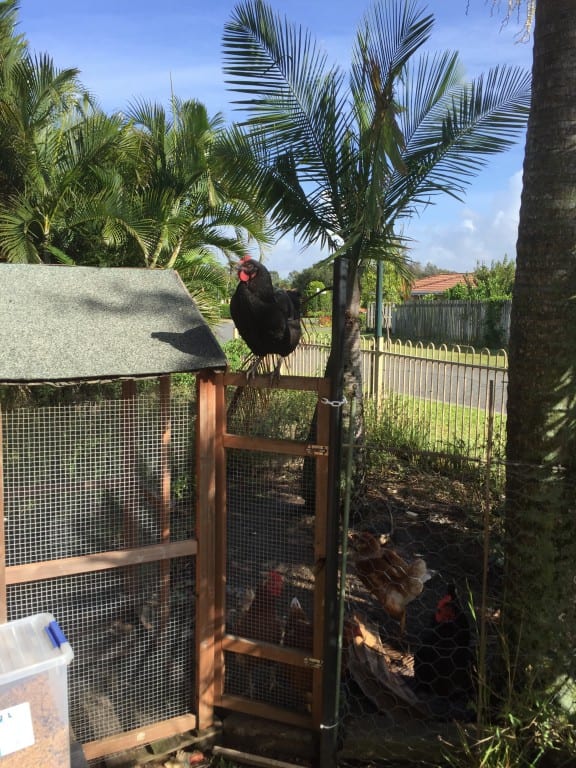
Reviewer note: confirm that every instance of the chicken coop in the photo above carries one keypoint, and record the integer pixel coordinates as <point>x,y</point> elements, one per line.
<point>148,511</point>
<point>183,526</point>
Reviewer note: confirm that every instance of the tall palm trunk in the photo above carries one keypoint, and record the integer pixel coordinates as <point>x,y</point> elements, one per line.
<point>540,579</point>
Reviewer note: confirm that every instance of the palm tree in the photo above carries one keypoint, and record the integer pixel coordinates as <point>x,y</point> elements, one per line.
<point>174,205</point>
<point>51,137</point>
<point>540,609</point>
<point>173,209</point>
<point>58,213</point>
<point>342,160</point>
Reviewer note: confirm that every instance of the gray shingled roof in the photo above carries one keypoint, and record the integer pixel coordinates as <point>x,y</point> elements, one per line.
<point>68,323</point>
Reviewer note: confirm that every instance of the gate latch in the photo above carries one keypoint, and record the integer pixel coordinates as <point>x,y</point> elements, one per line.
<point>313,663</point>
<point>317,450</point>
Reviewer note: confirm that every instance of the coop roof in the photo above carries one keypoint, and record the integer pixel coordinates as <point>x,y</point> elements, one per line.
<point>61,324</point>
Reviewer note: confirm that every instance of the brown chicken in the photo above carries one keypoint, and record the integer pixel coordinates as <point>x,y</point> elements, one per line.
<point>260,621</point>
<point>390,579</point>
<point>299,633</point>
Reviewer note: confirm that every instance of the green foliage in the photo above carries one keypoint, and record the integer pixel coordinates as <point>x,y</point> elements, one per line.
<point>236,352</point>
<point>530,731</point>
<point>418,270</point>
<point>320,272</point>
<point>494,283</point>
<point>141,189</point>
<point>317,300</point>
<point>392,428</point>
<point>394,283</point>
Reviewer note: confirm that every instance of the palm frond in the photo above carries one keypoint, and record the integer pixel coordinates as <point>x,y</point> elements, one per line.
<point>283,75</point>
<point>454,140</point>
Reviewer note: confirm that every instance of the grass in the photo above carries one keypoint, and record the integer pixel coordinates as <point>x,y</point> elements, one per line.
<point>450,354</point>
<point>453,353</point>
<point>412,425</point>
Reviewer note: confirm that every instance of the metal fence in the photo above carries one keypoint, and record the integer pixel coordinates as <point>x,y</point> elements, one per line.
<point>449,395</point>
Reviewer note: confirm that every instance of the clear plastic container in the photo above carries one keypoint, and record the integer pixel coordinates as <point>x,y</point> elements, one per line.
<point>34,730</point>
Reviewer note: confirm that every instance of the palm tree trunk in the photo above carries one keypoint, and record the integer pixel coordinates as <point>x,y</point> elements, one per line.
<point>539,606</point>
<point>349,358</point>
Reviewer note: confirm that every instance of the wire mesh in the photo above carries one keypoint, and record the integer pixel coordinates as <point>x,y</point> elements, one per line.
<point>270,546</point>
<point>75,474</point>
<point>86,478</point>
<point>421,551</point>
<point>133,663</point>
<point>270,560</point>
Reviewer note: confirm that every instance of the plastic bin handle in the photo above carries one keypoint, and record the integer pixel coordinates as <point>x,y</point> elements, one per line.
<point>57,637</point>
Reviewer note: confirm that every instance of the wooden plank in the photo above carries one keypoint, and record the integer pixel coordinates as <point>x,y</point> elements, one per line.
<point>262,650</point>
<point>206,559</point>
<point>267,445</point>
<point>267,711</point>
<point>139,737</point>
<point>221,528</point>
<point>235,756</point>
<point>301,383</point>
<point>165,486</point>
<point>3,581</point>
<point>71,566</point>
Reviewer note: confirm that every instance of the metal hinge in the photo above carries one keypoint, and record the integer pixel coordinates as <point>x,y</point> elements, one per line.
<point>317,450</point>
<point>313,663</point>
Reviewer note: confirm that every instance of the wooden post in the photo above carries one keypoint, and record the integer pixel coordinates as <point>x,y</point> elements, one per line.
<point>165,486</point>
<point>220,535</point>
<point>206,557</point>
<point>129,462</point>
<point>3,593</point>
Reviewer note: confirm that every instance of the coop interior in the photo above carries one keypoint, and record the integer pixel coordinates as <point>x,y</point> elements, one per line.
<point>109,486</point>
<point>102,489</point>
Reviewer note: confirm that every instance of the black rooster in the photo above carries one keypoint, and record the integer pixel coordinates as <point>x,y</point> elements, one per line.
<point>267,318</point>
<point>443,662</point>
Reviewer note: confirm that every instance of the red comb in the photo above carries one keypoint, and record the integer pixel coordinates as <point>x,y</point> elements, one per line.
<point>275,583</point>
<point>444,610</point>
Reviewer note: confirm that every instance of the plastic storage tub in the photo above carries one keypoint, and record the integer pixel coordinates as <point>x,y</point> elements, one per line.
<point>34,730</point>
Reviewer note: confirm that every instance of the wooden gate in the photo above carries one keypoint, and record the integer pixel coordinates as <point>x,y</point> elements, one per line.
<point>262,507</point>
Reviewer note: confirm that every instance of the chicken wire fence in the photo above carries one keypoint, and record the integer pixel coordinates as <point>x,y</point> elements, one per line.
<point>415,576</point>
<point>95,477</point>
<point>414,588</point>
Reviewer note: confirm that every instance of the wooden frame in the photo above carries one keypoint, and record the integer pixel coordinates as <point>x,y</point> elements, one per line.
<point>126,559</point>
<point>227,642</point>
<point>212,641</point>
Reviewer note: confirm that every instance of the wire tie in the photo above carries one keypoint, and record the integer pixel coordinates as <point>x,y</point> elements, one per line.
<point>334,403</point>
<point>324,727</point>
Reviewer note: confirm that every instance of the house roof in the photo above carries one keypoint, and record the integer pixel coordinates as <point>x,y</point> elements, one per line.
<point>437,283</point>
<point>64,324</point>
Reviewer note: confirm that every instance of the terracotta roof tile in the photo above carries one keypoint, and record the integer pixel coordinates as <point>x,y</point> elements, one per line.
<point>437,283</point>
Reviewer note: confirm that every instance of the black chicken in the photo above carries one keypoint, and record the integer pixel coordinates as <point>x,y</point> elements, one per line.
<point>267,318</point>
<point>443,662</point>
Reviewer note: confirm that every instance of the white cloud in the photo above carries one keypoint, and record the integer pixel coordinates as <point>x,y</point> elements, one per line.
<point>482,231</point>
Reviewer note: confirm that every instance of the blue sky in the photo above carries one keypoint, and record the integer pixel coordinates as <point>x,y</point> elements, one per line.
<point>128,49</point>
